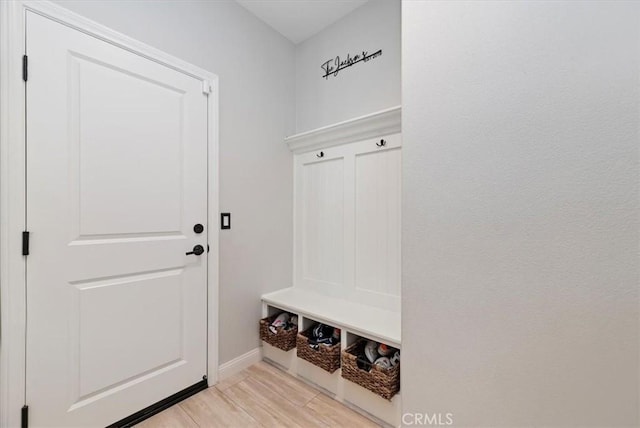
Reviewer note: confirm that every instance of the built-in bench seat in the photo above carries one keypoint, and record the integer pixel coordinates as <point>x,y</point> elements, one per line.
<point>366,321</point>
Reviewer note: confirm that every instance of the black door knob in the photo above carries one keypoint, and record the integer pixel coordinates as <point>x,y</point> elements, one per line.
<point>198,228</point>
<point>197,250</point>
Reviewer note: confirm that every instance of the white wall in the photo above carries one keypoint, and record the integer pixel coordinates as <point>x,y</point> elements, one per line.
<point>256,69</point>
<point>357,90</point>
<point>520,212</point>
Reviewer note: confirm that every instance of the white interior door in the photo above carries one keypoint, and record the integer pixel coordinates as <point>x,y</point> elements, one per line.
<point>116,181</point>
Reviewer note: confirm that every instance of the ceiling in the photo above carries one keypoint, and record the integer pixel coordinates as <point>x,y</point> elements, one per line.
<point>298,20</point>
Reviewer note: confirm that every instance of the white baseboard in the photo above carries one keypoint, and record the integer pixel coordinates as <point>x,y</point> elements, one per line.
<point>240,363</point>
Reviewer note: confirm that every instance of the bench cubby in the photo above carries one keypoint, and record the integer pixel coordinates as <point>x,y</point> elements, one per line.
<point>323,355</point>
<point>278,347</point>
<point>357,368</point>
<point>356,323</point>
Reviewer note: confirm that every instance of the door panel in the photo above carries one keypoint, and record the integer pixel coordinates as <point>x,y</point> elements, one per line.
<point>116,179</point>
<point>112,108</point>
<point>146,343</point>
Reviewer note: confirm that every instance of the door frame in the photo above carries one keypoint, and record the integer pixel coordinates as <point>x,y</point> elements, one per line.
<point>13,307</point>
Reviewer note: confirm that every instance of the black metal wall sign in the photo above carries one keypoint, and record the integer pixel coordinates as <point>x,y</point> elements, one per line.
<point>333,66</point>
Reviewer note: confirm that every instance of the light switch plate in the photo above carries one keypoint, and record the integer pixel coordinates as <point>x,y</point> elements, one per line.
<point>225,221</point>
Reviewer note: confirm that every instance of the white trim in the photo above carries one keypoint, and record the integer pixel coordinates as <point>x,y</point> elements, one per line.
<point>360,128</point>
<point>238,364</point>
<point>12,188</point>
<point>12,215</point>
<point>71,19</point>
<point>213,231</point>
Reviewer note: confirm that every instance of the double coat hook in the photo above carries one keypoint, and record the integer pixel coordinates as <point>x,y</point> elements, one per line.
<point>381,143</point>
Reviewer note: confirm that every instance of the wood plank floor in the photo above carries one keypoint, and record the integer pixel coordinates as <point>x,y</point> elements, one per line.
<point>260,396</point>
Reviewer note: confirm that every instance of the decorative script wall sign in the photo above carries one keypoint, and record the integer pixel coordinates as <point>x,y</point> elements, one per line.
<point>333,66</point>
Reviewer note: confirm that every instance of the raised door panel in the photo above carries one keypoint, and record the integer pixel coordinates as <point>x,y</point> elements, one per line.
<point>138,345</point>
<point>129,143</point>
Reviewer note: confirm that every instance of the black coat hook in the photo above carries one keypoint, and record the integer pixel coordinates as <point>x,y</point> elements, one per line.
<point>382,143</point>
<point>320,155</point>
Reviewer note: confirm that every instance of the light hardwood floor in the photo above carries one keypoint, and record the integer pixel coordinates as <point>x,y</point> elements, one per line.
<point>260,396</point>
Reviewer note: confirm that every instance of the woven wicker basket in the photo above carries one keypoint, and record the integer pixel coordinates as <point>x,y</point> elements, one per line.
<point>283,339</point>
<point>384,382</point>
<point>325,357</point>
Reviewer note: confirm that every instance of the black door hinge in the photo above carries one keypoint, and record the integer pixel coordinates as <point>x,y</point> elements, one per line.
<point>25,243</point>
<point>25,63</point>
<point>25,417</point>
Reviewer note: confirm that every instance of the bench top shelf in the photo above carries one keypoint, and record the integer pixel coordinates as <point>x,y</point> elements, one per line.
<point>367,321</point>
